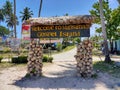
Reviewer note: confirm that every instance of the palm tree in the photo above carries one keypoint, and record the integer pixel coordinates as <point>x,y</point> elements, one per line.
<point>7,9</point>
<point>26,14</point>
<point>1,15</point>
<point>40,8</point>
<point>15,23</point>
<point>11,21</point>
<point>15,19</point>
<point>7,12</point>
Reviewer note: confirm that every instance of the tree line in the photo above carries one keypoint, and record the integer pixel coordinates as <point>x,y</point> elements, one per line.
<point>8,15</point>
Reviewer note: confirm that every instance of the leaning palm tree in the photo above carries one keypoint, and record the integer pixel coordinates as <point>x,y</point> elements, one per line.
<point>40,8</point>
<point>1,15</point>
<point>26,14</point>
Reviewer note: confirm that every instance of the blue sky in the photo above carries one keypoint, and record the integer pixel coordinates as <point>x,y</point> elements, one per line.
<point>56,7</point>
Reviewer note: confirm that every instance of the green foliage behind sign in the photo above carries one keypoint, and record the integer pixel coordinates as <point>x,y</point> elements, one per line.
<point>4,31</point>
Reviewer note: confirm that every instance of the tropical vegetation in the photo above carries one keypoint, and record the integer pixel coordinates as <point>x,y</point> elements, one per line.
<point>26,14</point>
<point>7,15</point>
<point>4,31</point>
<point>112,19</point>
<point>1,15</point>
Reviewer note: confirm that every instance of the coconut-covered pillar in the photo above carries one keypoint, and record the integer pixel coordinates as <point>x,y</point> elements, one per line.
<point>35,55</point>
<point>84,59</point>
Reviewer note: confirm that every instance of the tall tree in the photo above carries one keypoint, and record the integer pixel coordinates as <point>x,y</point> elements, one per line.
<point>26,14</point>
<point>115,23</point>
<point>8,12</point>
<point>109,23</point>
<point>1,15</point>
<point>7,8</point>
<point>96,11</point>
<point>10,22</point>
<point>107,57</point>
<point>40,8</point>
<point>15,19</point>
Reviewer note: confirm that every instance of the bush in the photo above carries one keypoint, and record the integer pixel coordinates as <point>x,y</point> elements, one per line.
<point>19,59</point>
<point>77,40</point>
<point>1,59</point>
<point>23,59</point>
<point>50,59</point>
<point>15,60</point>
<point>47,59</point>
<point>59,46</point>
<point>64,46</point>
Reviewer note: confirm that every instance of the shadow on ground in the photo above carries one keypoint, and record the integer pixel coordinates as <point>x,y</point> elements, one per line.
<point>65,79</point>
<point>54,83</point>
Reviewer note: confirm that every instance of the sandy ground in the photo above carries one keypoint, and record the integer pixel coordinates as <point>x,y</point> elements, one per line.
<point>60,75</point>
<point>56,76</point>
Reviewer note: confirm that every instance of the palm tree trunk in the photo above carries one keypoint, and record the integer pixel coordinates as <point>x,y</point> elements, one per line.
<point>15,19</point>
<point>111,46</point>
<point>107,57</point>
<point>40,8</point>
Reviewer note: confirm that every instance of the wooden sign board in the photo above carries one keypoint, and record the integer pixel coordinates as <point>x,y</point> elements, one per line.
<point>60,31</point>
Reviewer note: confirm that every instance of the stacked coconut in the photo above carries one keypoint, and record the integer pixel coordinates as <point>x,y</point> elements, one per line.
<point>35,59</point>
<point>84,58</point>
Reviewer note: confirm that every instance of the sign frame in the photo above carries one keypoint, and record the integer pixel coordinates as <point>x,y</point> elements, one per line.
<point>60,31</point>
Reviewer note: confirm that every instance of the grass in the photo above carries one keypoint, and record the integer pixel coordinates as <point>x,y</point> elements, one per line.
<point>97,52</point>
<point>68,48</point>
<point>65,50</point>
<point>109,68</point>
<point>9,55</point>
<point>4,65</point>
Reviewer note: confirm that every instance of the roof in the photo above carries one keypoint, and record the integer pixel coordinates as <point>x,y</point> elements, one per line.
<point>63,20</point>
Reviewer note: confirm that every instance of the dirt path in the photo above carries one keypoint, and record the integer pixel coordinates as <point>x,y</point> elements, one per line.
<point>65,56</point>
<point>69,56</point>
<point>56,76</point>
